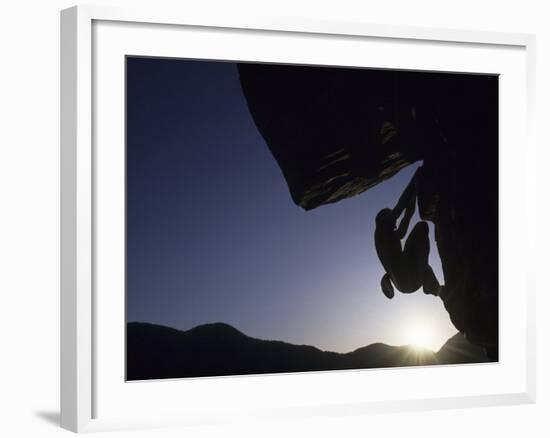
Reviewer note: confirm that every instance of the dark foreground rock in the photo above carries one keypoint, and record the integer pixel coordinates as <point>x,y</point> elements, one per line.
<point>158,352</point>
<point>337,132</point>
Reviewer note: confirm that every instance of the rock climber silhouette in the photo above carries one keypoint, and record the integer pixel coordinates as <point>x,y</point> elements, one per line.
<point>407,268</point>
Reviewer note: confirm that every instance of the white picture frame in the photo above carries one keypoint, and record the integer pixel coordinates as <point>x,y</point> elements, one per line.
<point>84,317</point>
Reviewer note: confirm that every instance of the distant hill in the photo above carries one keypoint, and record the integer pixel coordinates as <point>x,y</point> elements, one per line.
<point>159,352</point>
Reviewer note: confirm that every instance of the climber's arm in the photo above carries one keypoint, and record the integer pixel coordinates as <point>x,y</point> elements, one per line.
<point>407,202</point>
<point>405,198</point>
<point>404,224</point>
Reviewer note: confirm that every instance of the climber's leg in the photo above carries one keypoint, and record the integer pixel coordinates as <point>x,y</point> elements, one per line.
<point>417,250</point>
<point>415,259</point>
<point>387,287</point>
<point>430,284</point>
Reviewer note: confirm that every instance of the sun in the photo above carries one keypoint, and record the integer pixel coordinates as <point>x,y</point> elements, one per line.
<point>421,335</point>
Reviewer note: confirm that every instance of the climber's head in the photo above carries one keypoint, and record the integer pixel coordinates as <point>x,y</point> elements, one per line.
<point>385,219</point>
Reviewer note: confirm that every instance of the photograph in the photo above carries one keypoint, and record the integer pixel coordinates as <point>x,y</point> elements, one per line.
<point>289,218</point>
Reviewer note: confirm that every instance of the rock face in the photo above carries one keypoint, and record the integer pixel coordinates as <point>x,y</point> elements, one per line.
<point>337,132</point>
<point>323,128</point>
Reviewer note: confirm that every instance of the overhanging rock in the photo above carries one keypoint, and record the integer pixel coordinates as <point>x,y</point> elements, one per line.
<point>324,127</point>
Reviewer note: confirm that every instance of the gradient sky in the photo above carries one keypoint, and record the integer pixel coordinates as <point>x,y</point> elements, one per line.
<point>213,235</point>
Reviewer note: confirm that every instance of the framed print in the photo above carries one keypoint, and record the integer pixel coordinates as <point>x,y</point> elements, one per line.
<point>270,218</point>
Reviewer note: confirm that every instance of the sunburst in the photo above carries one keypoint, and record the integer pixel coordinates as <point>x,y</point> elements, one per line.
<point>421,335</point>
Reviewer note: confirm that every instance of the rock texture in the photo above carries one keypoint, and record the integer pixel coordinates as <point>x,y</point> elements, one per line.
<point>337,132</point>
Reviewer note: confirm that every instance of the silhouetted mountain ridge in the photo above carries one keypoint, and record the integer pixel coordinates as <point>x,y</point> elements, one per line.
<point>218,349</point>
